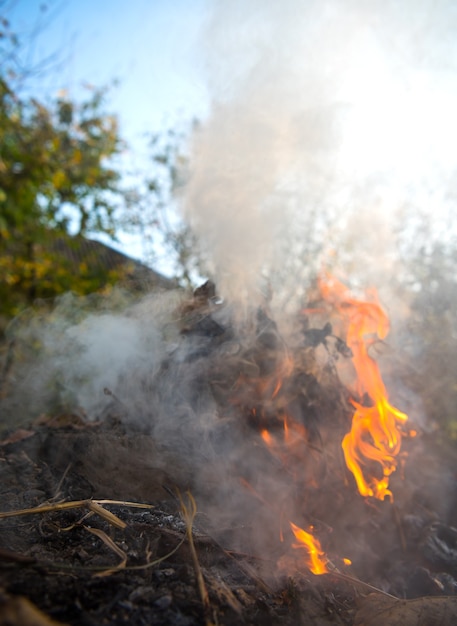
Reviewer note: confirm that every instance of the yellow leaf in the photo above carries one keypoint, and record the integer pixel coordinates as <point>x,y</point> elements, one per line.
<point>59,179</point>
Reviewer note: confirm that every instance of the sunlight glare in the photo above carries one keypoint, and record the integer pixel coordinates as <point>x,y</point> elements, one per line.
<point>396,121</point>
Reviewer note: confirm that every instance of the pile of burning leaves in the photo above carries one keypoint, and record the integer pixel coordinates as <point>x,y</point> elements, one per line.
<point>303,496</point>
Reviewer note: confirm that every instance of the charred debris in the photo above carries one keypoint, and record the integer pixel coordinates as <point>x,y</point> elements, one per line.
<point>106,522</point>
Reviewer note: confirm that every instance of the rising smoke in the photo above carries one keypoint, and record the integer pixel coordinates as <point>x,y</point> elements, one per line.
<point>331,130</point>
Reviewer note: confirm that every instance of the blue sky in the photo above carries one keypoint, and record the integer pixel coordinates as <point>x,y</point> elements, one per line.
<point>149,47</point>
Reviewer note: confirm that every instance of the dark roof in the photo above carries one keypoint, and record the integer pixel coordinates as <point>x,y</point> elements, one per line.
<point>99,256</point>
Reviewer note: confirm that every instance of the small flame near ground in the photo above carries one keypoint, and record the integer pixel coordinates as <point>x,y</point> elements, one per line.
<point>316,559</point>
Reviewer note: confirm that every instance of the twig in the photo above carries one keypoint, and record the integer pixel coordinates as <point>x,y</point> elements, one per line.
<point>171,493</point>
<point>92,505</point>
<point>64,475</point>
<point>94,568</point>
<point>132,505</point>
<point>112,546</point>
<point>360,583</point>
<point>189,515</point>
<point>107,515</point>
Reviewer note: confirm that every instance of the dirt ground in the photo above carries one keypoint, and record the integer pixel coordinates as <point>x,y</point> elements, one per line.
<point>145,558</point>
<point>80,567</point>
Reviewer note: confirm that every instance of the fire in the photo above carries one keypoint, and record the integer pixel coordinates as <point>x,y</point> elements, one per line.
<point>375,435</point>
<point>266,437</point>
<point>291,435</point>
<point>370,448</point>
<point>316,561</point>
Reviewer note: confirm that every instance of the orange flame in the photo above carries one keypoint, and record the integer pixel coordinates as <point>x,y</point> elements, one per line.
<point>266,437</point>
<point>375,434</point>
<point>316,561</point>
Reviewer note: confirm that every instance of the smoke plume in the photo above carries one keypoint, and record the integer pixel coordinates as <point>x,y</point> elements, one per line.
<point>331,130</point>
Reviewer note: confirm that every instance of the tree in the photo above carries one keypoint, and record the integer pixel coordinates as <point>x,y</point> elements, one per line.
<point>56,178</point>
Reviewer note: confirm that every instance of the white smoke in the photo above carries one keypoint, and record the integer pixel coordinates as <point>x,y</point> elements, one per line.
<point>108,347</point>
<point>324,112</point>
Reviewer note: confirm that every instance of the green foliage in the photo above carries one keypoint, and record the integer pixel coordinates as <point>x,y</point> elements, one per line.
<point>54,163</point>
<point>55,174</point>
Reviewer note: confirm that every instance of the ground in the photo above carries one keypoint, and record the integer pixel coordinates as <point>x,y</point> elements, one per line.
<point>73,563</point>
<point>171,504</point>
<point>80,568</point>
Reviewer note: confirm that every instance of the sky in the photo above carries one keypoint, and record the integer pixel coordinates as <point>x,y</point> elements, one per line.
<point>329,120</point>
<point>149,47</point>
